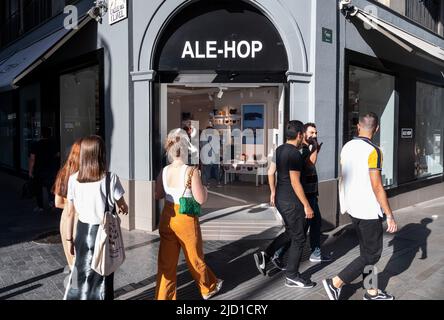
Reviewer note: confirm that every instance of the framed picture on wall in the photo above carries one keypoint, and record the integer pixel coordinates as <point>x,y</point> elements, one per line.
<point>253,119</point>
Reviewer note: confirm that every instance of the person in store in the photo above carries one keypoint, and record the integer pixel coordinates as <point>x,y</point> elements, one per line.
<point>212,160</point>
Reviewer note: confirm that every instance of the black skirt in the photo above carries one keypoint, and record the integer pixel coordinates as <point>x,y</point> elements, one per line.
<point>84,283</point>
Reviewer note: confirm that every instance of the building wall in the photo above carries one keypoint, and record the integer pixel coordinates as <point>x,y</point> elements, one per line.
<point>325,93</point>
<point>293,20</point>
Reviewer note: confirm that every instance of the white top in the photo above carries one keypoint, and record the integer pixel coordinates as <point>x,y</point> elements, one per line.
<point>358,156</point>
<point>174,194</point>
<point>89,197</point>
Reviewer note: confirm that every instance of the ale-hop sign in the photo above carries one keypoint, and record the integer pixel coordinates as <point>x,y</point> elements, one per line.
<point>202,38</point>
<point>215,49</point>
<point>118,11</point>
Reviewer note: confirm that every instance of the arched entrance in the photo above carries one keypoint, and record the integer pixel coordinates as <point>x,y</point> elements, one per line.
<point>221,72</point>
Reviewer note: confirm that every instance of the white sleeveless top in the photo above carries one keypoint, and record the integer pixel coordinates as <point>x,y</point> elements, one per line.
<point>174,194</point>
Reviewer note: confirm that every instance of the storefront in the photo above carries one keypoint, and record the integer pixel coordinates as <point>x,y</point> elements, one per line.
<point>395,70</point>
<point>53,78</point>
<point>241,68</point>
<point>238,67</point>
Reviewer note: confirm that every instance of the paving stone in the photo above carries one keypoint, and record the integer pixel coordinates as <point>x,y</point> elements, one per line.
<point>32,265</point>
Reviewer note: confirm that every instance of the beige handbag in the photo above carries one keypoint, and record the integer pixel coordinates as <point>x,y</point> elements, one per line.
<point>109,251</point>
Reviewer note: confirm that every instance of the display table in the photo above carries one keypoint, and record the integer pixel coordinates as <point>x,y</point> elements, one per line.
<point>258,169</point>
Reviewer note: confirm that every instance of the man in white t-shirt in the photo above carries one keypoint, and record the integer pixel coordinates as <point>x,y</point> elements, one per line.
<point>363,197</point>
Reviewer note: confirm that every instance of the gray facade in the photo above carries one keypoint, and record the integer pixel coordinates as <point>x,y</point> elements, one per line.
<point>315,86</point>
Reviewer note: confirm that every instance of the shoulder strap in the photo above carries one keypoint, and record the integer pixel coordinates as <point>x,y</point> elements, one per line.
<point>107,184</point>
<point>188,183</point>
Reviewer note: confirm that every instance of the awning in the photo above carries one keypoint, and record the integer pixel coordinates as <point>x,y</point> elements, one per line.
<point>403,38</point>
<point>22,62</point>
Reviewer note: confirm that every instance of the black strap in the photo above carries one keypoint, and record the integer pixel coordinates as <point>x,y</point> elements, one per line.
<point>107,183</point>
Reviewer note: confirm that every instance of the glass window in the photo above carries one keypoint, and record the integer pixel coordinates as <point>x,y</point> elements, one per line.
<point>429,130</point>
<point>79,106</point>
<point>30,120</point>
<point>8,125</point>
<point>372,91</point>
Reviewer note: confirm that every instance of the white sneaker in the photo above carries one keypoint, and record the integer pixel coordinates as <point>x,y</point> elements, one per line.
<point>215,291</point>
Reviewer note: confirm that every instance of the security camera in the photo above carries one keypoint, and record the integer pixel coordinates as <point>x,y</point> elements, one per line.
<point>99,10</point>
<point>343,4</point>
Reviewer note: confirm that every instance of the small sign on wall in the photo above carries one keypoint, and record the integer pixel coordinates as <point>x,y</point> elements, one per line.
<point>327,35</point>
<point>118,11</point>
<point>406,133</point>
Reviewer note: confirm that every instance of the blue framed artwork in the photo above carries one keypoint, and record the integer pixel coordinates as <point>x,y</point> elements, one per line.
<point>253,118</point>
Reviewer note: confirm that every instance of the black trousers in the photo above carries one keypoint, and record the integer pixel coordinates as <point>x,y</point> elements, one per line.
<point>370,244</point>
<point>295,232</point>
<point>43,183</point>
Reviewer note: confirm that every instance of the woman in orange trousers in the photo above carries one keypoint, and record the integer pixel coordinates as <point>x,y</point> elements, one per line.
<point>181,231</point>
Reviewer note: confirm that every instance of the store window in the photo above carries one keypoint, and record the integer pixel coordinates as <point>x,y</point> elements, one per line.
<point>30,121</point>
<point>372,91</point>
<point>8,127</point>
<point>79,106</point>
<point>429,130</point>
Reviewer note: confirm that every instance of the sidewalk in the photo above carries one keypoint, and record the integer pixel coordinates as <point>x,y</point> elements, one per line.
<point>412,261</point>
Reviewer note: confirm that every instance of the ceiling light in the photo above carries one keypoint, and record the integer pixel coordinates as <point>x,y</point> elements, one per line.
<point>220,93</point>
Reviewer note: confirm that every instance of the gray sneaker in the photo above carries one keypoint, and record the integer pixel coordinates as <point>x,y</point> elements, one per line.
<point>317,256</point>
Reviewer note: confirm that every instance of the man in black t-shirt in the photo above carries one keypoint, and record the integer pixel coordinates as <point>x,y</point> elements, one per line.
<point>310,150</point>
<point>290,200</point>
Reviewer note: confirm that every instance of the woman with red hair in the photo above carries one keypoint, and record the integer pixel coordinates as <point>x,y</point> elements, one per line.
<point>60,190</point>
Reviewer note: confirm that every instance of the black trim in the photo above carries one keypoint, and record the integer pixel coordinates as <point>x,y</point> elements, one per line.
<point>414,185</point>
<point>337,106</point>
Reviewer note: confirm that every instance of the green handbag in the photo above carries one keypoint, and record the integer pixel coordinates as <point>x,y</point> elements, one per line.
<point>189,205</point>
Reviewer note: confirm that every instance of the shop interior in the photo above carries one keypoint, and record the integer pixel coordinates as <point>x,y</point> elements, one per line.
<point>238,185</point>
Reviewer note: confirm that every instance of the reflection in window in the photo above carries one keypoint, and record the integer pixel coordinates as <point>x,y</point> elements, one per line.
<point>371,91</point>
<point>30,121</point>
<point>79,108</point>
<point>429,130</point>
<point>8,126</point>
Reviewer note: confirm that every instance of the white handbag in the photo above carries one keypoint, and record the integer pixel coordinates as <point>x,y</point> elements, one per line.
<point>109,251</point>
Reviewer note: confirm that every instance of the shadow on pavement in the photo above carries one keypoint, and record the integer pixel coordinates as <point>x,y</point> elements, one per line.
<point>407,242</point>
<point>234,264</point>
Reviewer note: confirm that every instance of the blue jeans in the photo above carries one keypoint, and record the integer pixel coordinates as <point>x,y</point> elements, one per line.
<point>315,229</point>
<point>210,171</point>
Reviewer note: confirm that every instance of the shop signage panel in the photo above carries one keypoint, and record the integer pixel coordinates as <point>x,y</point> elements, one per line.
<point>327,35</point>
<point>407,133</point>
<point>224,35</point>
<point>118,11</point>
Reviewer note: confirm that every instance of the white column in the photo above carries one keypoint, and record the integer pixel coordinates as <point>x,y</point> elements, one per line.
<point>301,103</point>
<point>142,183</point>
